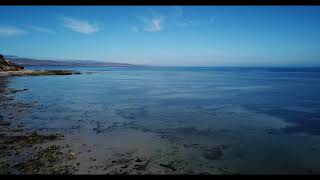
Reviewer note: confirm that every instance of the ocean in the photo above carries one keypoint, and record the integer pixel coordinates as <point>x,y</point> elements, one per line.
<point>180,120</point>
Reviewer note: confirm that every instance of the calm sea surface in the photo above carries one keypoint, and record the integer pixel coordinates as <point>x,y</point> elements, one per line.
<point>197,120</point>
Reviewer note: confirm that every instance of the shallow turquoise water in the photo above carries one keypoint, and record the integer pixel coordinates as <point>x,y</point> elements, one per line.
<point>261,120</point>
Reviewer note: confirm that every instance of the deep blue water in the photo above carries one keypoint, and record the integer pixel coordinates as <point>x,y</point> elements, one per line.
<point>268,118</point>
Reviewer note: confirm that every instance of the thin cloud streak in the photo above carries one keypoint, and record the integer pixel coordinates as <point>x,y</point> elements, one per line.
<point>40,29</point>
<point>9,31</point>
<point>80,26</point>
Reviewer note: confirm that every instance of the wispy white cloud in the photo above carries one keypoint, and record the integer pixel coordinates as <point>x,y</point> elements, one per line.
<point>80,26</point>
<point>183,20</point>
<point>154,25</point>
<point>8,31</point>
<point>152,22</point>
<point>39,29</point>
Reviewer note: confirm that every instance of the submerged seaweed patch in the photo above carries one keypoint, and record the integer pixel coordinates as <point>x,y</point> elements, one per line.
<point>28,140</point>
<point>45,162</point>
<point>126,163</point>
<point>131,113</point>
<point>303,122</point>
<point>214,153</point>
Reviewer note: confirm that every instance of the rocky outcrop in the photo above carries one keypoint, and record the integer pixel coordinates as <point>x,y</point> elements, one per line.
<point>6,65</point>
<point>8,68</point>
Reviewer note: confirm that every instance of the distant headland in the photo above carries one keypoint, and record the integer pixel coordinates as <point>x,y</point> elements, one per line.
<point>22,61</point>
<point>8,68</point>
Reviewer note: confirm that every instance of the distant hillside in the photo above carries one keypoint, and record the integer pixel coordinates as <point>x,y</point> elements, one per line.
<point>36,62</point>
<point>10,56</point>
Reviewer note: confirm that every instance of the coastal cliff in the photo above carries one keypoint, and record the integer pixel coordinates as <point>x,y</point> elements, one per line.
<point>6,65</point>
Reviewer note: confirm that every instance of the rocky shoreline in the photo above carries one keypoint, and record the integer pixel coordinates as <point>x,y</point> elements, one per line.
<point>24,150</point>
<point>38,72</point>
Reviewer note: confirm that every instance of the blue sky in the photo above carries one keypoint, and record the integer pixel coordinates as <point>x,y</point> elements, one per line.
<point>165,35</point>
